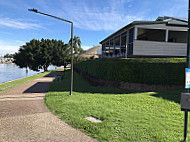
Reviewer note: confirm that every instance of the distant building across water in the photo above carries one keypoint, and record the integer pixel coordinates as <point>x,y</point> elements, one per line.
<point>6,60</point>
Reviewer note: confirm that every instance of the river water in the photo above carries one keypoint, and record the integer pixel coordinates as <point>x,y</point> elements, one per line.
<point>10,72</point>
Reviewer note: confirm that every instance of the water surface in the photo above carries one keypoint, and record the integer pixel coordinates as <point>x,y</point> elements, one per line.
<point>10,72</point>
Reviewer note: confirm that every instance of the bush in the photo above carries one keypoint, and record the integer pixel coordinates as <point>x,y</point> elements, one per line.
<point>165,71</point>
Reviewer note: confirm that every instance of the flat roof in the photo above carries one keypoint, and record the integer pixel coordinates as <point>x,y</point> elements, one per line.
<point>160,20</point>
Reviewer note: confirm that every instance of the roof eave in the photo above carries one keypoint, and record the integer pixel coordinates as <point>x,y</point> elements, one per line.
<point>130,25</point>
<point>142,23</point>
<point>127,26</point>
<point>179,25</point>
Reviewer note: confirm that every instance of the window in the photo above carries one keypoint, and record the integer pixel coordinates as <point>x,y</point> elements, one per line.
<point>151,34</point>
<point>177,36</point>
<point>130,44</point>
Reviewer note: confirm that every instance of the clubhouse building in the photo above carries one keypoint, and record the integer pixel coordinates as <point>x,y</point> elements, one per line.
<point>164,37</point>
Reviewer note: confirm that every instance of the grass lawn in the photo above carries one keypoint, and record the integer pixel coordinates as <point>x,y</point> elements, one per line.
<point>12,84</point>
<point>127,115</point>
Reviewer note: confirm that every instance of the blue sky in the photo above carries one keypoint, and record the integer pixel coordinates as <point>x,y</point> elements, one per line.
<point>93,19</point>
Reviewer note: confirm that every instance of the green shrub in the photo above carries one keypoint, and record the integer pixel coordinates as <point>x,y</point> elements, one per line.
<point>165,71</point>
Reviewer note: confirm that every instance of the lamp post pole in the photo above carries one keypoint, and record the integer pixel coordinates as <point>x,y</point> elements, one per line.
<point>188,66</point>
<point>71,87</point>
<point>36,11</point>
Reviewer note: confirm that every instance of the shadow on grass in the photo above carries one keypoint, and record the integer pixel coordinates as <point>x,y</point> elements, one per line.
<point>83,86</point>
<point>171,95</point>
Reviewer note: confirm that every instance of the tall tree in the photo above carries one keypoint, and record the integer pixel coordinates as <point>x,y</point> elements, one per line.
<point>76,45</point>
<point>8,55</point>
<point>39,54</point>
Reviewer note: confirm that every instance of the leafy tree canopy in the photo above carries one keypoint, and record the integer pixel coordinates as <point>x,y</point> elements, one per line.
<point>39,54</point>
<point>76,45</point>
<point>8,55</point>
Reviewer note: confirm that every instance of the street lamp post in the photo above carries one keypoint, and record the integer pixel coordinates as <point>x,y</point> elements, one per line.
<point>188,66</point>
<point>36,11</point>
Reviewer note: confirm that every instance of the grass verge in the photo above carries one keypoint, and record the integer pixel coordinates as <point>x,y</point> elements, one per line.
<point>127,115</point>
<point>12,84</point>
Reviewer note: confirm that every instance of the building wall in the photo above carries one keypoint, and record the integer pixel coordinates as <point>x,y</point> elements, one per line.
<point>152,48</point>
<point>164,45</point>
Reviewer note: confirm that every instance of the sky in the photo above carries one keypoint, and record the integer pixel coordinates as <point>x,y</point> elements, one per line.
<point>93,20</point>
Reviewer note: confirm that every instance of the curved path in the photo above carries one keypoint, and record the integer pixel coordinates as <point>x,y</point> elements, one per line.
<point>25,118</point>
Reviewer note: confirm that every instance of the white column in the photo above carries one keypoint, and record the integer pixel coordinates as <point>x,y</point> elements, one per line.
<point>126,45</point>
<point>135,33</point>
<point>166,38</point>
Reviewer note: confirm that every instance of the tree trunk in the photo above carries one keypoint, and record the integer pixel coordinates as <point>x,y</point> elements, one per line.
<point>65,65</point>
<point>45,67</point>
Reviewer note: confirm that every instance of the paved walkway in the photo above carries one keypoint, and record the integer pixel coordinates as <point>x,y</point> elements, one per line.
<point>25,118</point>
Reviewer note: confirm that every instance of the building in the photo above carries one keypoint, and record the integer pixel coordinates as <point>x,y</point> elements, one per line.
<point>164,37</point>
<point>92,52</point>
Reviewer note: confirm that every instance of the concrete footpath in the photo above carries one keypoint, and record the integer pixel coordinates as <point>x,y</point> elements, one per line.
<point>25,118</point>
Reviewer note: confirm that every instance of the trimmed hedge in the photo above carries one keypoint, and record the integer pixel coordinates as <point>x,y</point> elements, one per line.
<point>158,71</point>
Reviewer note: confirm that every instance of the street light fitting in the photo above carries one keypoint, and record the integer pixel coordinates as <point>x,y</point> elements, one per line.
<point>34,10</point>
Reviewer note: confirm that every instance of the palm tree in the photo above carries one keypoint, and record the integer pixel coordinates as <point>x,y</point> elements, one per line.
<point>76,45</point>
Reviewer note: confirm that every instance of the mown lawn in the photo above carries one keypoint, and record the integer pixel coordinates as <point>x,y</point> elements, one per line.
<point>12,84</point>
<point>127,115</point>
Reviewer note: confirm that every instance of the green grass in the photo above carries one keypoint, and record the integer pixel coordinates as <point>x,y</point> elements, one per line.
<point>12,84</point>
<point>127,115</point>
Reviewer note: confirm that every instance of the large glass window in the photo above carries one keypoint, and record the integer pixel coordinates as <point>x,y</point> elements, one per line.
<point>117,46</point>
<point>107,49</point>
<point>130,44</point>
<point>177,36</point>
<point>103,49</point>
<point>123,44</point>
<point>151,34</point>
<point>111,47</point>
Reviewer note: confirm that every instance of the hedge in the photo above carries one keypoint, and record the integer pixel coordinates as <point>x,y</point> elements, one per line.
<point>158,71</point>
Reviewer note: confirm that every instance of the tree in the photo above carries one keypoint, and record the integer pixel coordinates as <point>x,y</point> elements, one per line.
<point>7,55</point>
<point>39,54</point>
<point>76,45</point>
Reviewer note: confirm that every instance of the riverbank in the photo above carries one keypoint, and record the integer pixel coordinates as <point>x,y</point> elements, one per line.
<point>9,72</point>
<point>7,63</point>
<point>11,84</point>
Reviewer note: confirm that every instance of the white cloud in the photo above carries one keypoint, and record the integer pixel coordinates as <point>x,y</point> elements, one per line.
<point>9,47</point>
<point>86,47</point>
<point>102,21</point>
<point>94,17</point>
<point>17,4</point>
<point>17,23</point>
<point>20,42</point>
<point>178,8</point>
